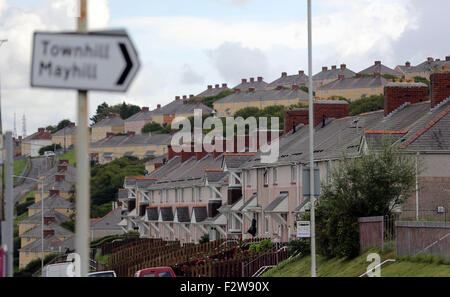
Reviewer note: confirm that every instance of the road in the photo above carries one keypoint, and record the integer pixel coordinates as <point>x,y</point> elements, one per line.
<point>38,166</point>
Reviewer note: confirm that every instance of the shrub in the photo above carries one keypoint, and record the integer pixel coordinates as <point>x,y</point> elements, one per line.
<point>204,239</point>
<point>302,247</point>
<point>262,246</point>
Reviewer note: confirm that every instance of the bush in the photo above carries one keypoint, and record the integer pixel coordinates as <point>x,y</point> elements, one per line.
<point>204,239</point>
<point>368,104</point>
<point>302,247</point>
<point>22,208</point>
<point>49,148</point>
<point>262,246</point>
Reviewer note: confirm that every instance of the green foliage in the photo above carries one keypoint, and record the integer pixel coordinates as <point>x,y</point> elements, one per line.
<point>209,101</point>
<point>269,112</point>
<point>368,104</point>
<point>262,246</point>
<point>204,239</point>
<point>152,128</point>
<point>62,124</point>
<point>124,110</point>
<point>102,259</point>
<point>34,266</point>
<point>69,225</point>
<point>49,148</point>
<point>419,79</point>
<point>302,247</point>
<point>372,185</point>
<point>389,76</point>
<point>99,211</point>
<point>23,207</point>
<point>108,178</point>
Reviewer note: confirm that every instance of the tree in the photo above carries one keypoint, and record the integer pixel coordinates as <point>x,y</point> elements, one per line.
<point>368,104</point>
<point>61,125</point>
<point>127,110</point>
<point>101,113</point>
<point>123,109</point>
<point>372,185</point>
<point>151,128</point>
<point>49,148</point>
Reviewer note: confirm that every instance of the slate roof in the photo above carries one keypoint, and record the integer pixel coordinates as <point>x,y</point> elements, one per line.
<point>36,232</point>
<point>302,204</point>
<point>183,214</point>
<point>159,159</point>
<point>216,176</point>
<point>162,171</point>
<point>273,205</point>
<point>48,213</point>
<point>108,222</point>
<point>54,202</point>
<point>256,84</point>
<point>179,107</point>
<point>265,95</point>
<point>166,214</point>
<point>426,66</point>
<point>67,131</point>
<point>51,244</point>
<point>333,74</point>
<point>289,81</point>
<point>209,92</point>
<point>200,212</point>
<point>234,161</point>
<point>113,121</point>
<point>141,116</point>
<point>352,83</point>
<point>133,140</point>
<point>246,203</point>
<point>152,213</point>
<point>63,186</point>
<point>380,68</point>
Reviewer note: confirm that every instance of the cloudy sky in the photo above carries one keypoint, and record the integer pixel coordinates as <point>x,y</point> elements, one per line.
<point>186,45</point>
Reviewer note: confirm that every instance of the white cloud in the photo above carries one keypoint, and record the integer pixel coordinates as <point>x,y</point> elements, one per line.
<point>190,76</point>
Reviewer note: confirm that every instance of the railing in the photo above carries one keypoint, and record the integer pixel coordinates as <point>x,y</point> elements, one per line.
<point>437,242</point>
<point>379,265</point>
<point>271,258</point>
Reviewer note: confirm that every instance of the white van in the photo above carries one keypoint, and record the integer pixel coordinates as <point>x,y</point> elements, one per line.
<point>65,269</point>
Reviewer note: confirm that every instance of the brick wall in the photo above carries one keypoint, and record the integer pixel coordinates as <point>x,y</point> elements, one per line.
<point>396,95</point>
<point>440,87</point>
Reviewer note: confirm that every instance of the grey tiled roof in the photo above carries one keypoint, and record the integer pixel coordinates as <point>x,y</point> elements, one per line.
<point>159,159</point>
<point>141,139</point>
<point>67,131</point>
<point>352,83</point>
<point>201,213</point>
<point>108,222</point>
<point>246,203</point>
<point>382,69</point>
<point>183,214</point>
<point>114,121</point>
<point>276,202</point>
<point>333,74</point>
<point>152,213</point>
<point>257,85</point>
<point>289,81</point>
<point>265,95</point>
<point>166,214</point>
<point>377,140</point>
<point>179,107</point>
<point>63,186</point>
<point>216,177</point>
<point>212,92</point>
<point>140,116</point>
<point>48,213</point>
<point>233,161</point>
<point>425,66</point>
<point>51,244</point>
<point>36,232</point>
<point>54,202</point>
<point>303,204</point>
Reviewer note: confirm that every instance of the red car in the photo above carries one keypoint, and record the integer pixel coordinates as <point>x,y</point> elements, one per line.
<point>156,272</point>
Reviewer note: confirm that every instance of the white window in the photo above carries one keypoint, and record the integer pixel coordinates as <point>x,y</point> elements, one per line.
<point>293,174</point>
<point>194,199</point>
<point>162,196</point>
<point>266,177</point>
<point>275,175</point>
<point>266,224</point>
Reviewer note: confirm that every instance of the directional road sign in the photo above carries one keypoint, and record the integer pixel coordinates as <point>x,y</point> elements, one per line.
<point>98,61</point>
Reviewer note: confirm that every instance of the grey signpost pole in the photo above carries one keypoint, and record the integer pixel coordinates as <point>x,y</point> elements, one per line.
<point>83,195</point>
<point>311,146</point>
<point>9,207</point>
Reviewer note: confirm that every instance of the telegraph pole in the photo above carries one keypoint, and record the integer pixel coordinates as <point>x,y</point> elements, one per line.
<point>2,217</point>
<point>83,174</point>
<point>311,146</point>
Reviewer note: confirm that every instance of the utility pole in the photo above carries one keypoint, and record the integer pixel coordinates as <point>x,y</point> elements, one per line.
<point>2,216</point>
<point>311,145</point>
<point>7,225</point>
<point>83,174</point>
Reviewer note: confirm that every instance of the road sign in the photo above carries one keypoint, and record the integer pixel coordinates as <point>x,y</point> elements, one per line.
<point>102,61</point>
<point>303,229</point>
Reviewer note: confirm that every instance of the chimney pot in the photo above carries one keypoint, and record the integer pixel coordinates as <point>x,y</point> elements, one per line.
<point>333,67</point>
<point>217,86</point>
<point>301,72</point>
<point>324,68</point>
<point>158,106</point>
<point>184,97</point>
<point>41,130</point>
<point>283,74</point>
<point>408,64</point>
<point>447,58</point>
<point>377,62</point>
<point>209,87</point>
<point>343,66</point>
<point>224,85</point>
<point>177,98</point>
<point>260,78</point>
<point>244,80</point>
<point>191,96</point>
<point>430,59</point>
<point>145,109</point>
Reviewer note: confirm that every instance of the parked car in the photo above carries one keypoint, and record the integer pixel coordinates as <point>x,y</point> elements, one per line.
<point>156,272</point>
<point>102,274</point>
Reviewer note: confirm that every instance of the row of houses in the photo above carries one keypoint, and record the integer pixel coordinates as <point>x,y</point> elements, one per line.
<point>189,195</point>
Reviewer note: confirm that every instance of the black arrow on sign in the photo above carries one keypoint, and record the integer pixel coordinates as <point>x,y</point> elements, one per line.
<point>127,70</point>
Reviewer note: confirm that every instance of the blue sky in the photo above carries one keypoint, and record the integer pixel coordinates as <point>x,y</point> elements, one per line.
<point>186,45</point>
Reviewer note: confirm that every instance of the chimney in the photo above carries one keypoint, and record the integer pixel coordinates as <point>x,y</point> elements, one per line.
<point>49,233</point>
<point>71,125</point>
<point>62,168</point>
<point>358,75</point>
<point>343,66</point>
<point>41,130</point>
<point>376,74</point>
<point>49,220</point>
<point>20,138</point>
<point>185,101</point>
<point>145,109</point>
<point>251,89</point>
<point>408,64</point>
<point>430,59</point>
<point>294,87</point>
<point>283,74</point>
<point>237,90</point>
<point>112,115</point>
<point>301,72</point>
<point>60,177</point>
<point>191,96</point>
<point>260,78</point>
<point>187,155</point>
<point>279,88</point>
<point>324,68</point>
<point>131,133</point>
<point>395,96</point>
<point>252,79</point>
<point>244,80</point>
<point>440,87</point>
<point>184,97</point>
<point>224,85</point>
<point>158,106</point>
<point>177,98</point>
<point>341,76</point>
<point>171,152</point>
<point>329,109</point>
<point>377,63</point>
<point>109,134</point>
<point>53,193</point>
<point>217,86</point>
<point>333,67</point>
<point>209,87</point>
<point>438,60</point>
<point>447,58</point>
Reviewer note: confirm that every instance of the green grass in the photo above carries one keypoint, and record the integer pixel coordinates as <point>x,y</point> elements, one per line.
<point>19,165</point>
<point>71,156</point>
<point>403,267</point>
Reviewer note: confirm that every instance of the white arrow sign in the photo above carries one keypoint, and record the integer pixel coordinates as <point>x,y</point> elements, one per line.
<point>102,62</point>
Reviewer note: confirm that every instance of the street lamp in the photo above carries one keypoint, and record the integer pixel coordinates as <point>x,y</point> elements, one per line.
<point>42,216</point>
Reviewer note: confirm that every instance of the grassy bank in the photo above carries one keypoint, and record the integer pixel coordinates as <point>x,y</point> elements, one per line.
<point>420,266</point>
<point>70,155</point>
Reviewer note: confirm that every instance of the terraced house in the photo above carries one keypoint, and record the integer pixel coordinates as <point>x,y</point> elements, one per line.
<point>136,122</point>
<point>33,143</point>
<point>353,88</point>
<point>213,91</point>
<point>141,146</point>
<point>271,195</point>
<point>424,69</point>
<point>378,67</point>
<point>66,137</point>
<point>259,98</point>
<point>112,124</point>
<point>287,81</point>
<point>252,83</point>
<point>328,75</point>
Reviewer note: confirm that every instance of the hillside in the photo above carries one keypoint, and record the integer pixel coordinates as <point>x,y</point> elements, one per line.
<point>423,266</point>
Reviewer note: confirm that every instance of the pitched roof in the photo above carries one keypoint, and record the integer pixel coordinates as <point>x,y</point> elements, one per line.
<point>109,221</point>
<point>141,116</point>
<point>158,159</point>
<point>257,84</point>
<point>300,79</point>
<point>426,66</point>
<point>333,74</point>
<point>66,131</point>
<point>36,232</point>
<point>215,176</point>
<point>48,213</point>
<point>110,121</point>
<point>180,107</point>
<point>265,95</point>
<point>276,202</point>
<point>209,92</point>
<point>233,161</point>
<point>51,244</point>
<point>133,140</point>
<point>53,202</point>
<point>62,186</point>
<point>182,214</point>
<point>355,82</point>
<point>380,68</point>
